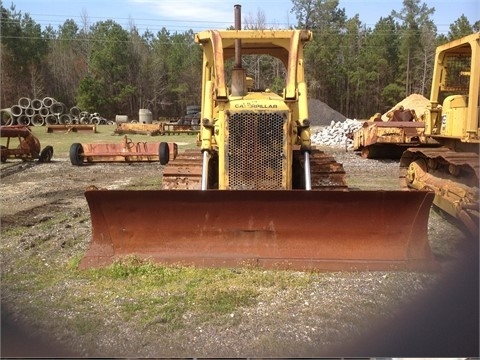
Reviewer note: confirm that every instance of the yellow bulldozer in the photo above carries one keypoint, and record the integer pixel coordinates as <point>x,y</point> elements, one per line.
<point>257,193</point>
<point>452,121</point>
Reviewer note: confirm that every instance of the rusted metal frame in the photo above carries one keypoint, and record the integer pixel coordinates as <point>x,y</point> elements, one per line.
<point>144,129</point>
<point>15,131</point>
<point>120,154</point>
<point>398,124</point>
<point>402,134</point>
<point>29,147</point>
<point>176,128</point>
<point>71,128</point>
<point>141,151</point>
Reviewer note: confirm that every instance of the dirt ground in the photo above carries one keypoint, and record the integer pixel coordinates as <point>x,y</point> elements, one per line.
<point>433,317</point>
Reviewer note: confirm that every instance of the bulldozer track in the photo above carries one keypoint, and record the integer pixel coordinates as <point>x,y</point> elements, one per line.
<point>185,172</point>
<point>326,172</point>
<point>453,176</point>
<point>466,162</point>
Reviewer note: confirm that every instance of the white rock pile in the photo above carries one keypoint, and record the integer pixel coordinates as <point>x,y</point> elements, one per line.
<point>336,133</point>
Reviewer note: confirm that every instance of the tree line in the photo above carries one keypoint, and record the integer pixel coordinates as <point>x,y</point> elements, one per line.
<point>105,68</point>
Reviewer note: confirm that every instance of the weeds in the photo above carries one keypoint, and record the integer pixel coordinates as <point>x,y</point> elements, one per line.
<point>166,293</point>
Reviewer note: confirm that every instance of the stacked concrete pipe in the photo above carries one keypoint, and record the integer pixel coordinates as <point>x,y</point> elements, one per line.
<point>47,111</point>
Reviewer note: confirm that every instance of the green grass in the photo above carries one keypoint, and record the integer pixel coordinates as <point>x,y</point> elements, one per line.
<point>168,293</point>
<point>145,183</point>
<point>61,141</point>
<point>141,293</point>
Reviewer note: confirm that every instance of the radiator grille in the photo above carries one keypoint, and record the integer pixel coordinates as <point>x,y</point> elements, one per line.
<point>255,158</point>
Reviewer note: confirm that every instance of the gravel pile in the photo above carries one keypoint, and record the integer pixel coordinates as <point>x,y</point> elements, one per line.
<point>337,134</point>
<point>320,114</point>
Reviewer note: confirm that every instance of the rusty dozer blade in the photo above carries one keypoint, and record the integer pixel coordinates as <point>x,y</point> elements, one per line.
<point>297,229</point>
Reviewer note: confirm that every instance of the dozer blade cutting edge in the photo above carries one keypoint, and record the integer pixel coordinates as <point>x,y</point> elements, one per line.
<point>296,229</point>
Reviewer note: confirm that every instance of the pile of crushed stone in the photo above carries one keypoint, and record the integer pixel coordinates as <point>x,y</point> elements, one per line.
<point>337,133</point>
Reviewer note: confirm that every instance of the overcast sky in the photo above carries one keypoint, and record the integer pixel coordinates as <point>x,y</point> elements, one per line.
<point>181,15</point>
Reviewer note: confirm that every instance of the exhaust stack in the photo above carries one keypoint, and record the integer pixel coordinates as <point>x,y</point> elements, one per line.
<point>238,73</point>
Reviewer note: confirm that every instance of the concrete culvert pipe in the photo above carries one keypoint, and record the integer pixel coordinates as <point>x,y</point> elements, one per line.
<point>51,119</point>
<point>16,110</point>
<point>48,101</point>
<point>23,120</point>
<point>29,111</point>
<point>36,104</point>
<point>24,102</point>
<point>65,119</point>
<point>44,111</point>
<point>37,120</point>
<point>84,118</point>
<point>57,108</point>
<point>6,117</point>
<point>95,120</point>
<point>75,111</point>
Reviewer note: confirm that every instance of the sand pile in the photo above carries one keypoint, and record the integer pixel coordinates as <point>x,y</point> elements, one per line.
<point>415,102</point>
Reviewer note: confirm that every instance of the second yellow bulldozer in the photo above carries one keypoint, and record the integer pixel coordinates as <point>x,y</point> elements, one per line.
<point>451,169</point>
<point>257,192</point>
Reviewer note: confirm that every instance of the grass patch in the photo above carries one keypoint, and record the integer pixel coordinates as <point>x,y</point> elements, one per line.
<point>83,325</point>
<point>13,231</point>
<point>177,296</point>
<point>145,183</point>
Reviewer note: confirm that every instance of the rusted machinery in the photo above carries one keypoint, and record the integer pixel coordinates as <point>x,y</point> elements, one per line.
<point>180,126</point>
<point>257,192</point>
<point>136,128</point>
<point>389,139</point>
<point>71,128</point>
<point>452,121</point>
<point>162,128</point>
<point>126,151</point>
<point>28,146</point>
